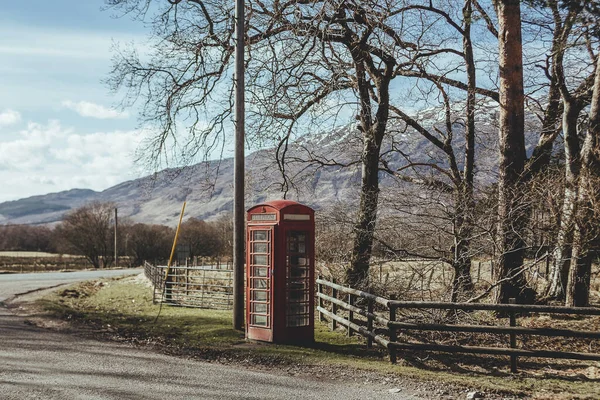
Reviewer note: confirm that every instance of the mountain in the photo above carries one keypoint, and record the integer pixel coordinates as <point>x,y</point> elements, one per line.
<point>208,186</point>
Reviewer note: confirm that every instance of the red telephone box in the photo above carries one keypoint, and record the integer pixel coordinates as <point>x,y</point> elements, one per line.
<point>280,272</point>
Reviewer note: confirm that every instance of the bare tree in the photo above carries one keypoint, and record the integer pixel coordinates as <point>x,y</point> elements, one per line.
<point>586,230</point>
<point>201,238</point>
<point>88,230</point>
<point>575,97</point>
<point>150,243</point>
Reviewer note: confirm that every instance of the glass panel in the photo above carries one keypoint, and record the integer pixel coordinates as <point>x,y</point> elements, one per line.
<point>292,246</point>
<point>259,308</point>
<point>297,296</point>
<point>301,308</point>
<point>260,260</point>
<point>260,320</point>
<point>260,271</point>
<point>259,283</point>
<point>298,272</point>
<point>301,248</point>
<point>260,235</point>
<point>259,295</point>
<point>259,248</point>
<point>297,320</point>
<point>298,285</point>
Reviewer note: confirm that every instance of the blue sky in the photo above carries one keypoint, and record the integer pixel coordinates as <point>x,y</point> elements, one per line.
<point>58,125</point>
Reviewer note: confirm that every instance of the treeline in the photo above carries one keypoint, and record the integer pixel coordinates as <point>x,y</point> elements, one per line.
<point>89,231</point>
<point>27,238</point>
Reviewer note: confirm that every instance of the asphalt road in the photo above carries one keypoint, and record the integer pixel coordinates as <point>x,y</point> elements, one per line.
<point>13,284</point>
<point>36,363</point>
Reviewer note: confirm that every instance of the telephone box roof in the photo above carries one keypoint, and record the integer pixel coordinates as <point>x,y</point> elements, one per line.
<point>279,204</point>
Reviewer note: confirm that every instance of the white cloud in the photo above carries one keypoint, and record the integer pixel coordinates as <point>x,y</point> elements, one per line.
<point>45,158</point>
<point>93,110</point>
<point>9,117</point>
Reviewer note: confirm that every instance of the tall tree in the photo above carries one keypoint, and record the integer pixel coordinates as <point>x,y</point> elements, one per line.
<point>587,211</point>
<point>574,100</point>
<point>511,219</point>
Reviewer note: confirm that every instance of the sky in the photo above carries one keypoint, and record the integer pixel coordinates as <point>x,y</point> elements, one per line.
<point>59,128</point>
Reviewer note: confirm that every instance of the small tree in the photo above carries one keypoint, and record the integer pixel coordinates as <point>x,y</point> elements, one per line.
<point>202,238</point>
<point>89,231</point>
<point>148,243</point>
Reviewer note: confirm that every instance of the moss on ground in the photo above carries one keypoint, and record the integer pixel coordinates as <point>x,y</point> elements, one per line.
<point>122,309</point>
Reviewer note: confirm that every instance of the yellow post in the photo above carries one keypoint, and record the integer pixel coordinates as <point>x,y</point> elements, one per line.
<point>174,242</point>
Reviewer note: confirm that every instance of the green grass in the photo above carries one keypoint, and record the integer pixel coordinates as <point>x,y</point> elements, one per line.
<point>123,309</point>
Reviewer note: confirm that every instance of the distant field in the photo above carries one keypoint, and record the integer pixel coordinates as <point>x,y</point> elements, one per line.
<point>37,261</point>
<point>34,254</point>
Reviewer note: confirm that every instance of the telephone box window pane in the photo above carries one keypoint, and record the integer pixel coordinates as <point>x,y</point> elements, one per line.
<point>296,260</point>
<point>260,235</point>
<point>297,296</point>
<point>260,260</point>
<point>260,308</point>
<point>261,271</point>
<point>294,309</point>
<point>259,320</point>
<point>297,320</point>
<point>298,285</point>
<point>298,272</point>
<point>259,295</point>
<point>259,248</point>
<point>259,283</point>
<point>301,248</point>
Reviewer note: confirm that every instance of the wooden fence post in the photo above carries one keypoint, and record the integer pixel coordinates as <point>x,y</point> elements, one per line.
<point>513,337</point>
<point>187,278</point>
<point>168,287</point>
<point>320,290</point>
<point>334,306</point>
<point>203,287</point>
<point>350,313</point>
<point>369,322</point>
<point>393,335</point>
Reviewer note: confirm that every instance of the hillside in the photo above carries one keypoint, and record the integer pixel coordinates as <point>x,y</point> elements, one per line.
<point>208,186</point>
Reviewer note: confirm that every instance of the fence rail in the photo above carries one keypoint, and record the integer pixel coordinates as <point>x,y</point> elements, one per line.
<point>383,326</point>
<point>207,286</point>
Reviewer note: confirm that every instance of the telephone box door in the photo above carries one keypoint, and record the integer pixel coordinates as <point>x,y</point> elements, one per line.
<point>260,282</point>
<point>298,285</point>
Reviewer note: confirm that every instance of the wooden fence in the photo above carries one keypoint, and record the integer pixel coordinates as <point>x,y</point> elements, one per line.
<point>207,286</point>
<point>382,326</point>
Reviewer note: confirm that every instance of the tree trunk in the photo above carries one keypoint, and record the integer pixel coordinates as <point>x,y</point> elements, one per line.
<point>585,230</point>
<point>511,215</point>
<point>542,153</point>
<point>562,253</point>
<point>357,274</point>
<point>462,283</point>
<point>373,130</point>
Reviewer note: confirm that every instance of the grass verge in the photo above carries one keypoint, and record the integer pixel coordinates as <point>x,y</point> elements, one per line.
<point>122,309</point>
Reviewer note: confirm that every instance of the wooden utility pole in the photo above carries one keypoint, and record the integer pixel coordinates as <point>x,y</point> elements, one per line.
<point>239,172</point>
<point>116,248</point>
